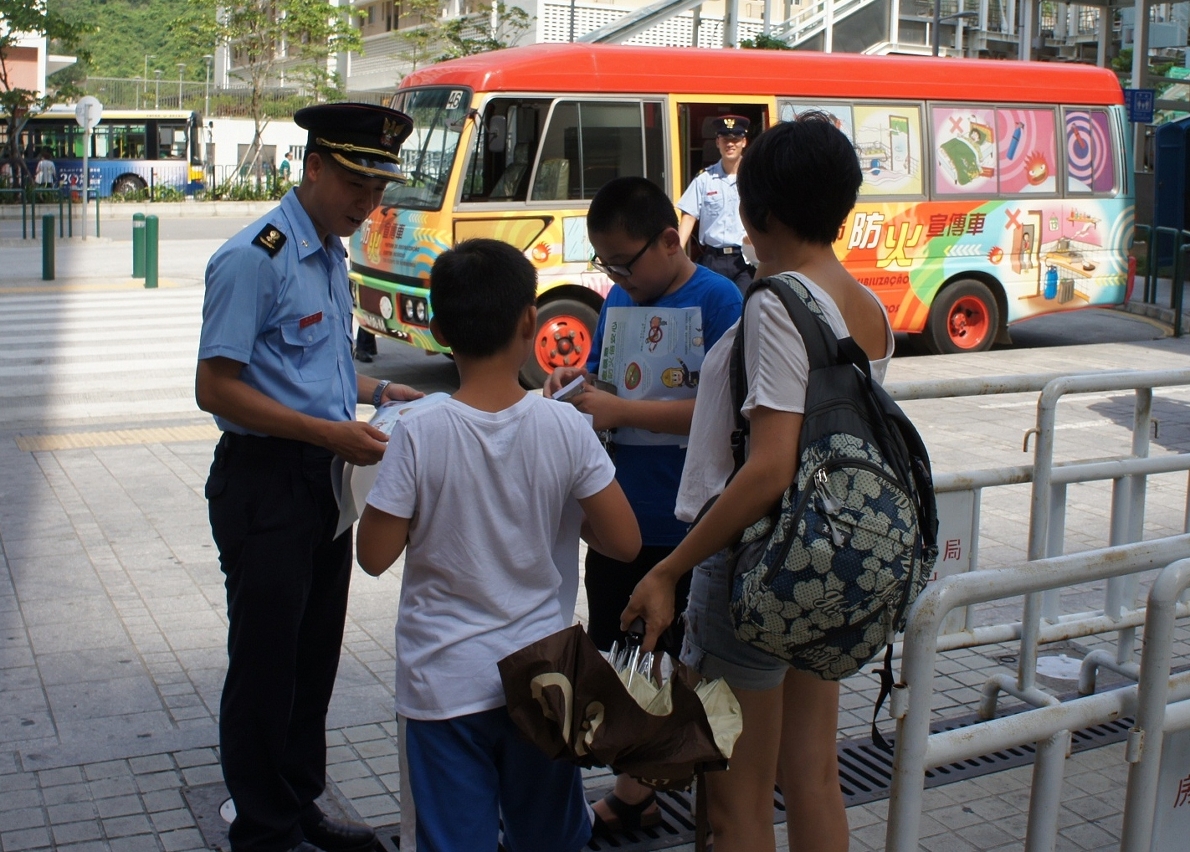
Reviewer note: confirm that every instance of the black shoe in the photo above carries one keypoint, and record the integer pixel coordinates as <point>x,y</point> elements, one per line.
<point>361,355</point>
<point>333,836</point>
<point>306,847</point>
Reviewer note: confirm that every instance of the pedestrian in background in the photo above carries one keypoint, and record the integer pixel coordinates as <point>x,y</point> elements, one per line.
<point>633,228</point>
<point>46,175</point>
<point>711,200</point>
<point>275,369</point>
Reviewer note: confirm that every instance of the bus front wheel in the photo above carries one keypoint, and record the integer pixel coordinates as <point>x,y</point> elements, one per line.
<point>128,185</point>
<point>565,331</point>
<point>963,318</point>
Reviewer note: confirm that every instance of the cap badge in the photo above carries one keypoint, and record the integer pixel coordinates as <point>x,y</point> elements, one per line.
<point>388,132</point>
<point>729,123</point>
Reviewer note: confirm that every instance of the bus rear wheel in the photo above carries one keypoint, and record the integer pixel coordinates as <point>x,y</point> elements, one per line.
<point>963,318</point>
<point>128,185</point>
<point>565,331</point>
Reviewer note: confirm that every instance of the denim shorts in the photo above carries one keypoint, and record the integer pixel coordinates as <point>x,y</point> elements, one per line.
<point>711,647</point>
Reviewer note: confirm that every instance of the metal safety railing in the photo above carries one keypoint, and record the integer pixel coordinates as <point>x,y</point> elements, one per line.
<point>63,198</point>
<point>917,749</point>
<point>1152,238</point>
<point>1040,580</point>
<point>1156,715</point>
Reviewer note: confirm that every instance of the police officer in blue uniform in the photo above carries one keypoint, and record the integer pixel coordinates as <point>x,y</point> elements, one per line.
<point>711,200</point>
<point>275,368</point>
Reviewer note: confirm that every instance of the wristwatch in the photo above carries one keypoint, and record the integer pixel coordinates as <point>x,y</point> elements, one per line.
<point>378,394</point>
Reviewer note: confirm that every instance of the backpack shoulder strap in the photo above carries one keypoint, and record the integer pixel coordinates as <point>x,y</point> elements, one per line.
<point>823,349</point>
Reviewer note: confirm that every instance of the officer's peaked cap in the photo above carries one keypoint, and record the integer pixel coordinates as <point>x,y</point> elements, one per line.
<point>731,125</point>
<point>362,138</point>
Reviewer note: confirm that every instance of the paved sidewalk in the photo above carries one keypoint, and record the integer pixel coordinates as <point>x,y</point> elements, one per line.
<point>113,615</point>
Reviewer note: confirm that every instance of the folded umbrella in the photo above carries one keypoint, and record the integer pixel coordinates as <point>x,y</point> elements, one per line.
<point>568,700</point>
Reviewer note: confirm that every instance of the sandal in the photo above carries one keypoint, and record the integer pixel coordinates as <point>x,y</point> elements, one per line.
<point>627,817</point>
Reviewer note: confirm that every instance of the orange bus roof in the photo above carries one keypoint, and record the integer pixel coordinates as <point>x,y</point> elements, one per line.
<point>573,67</point>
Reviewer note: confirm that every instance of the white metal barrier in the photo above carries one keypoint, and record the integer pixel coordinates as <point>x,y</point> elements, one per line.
<point>917,749</point>
<point>1040,580</point>
<point>1155,716</point>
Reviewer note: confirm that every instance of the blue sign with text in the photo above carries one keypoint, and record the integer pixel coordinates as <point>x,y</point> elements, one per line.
<point>1140,105</point>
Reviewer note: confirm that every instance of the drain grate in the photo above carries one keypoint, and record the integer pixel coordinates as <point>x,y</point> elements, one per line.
<point>865,775</point>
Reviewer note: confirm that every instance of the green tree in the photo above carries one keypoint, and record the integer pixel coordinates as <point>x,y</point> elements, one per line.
<point>467,35</point>
<point>764,42</point>
<point>19,19</point>
<point>419,30</point>
<point>268,36</point>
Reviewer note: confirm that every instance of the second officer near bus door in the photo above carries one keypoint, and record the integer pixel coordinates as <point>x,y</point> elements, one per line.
<point>712,201</point>
<point>275,369</point>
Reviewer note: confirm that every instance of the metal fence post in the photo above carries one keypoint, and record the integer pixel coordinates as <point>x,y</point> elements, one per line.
<point>97,212</point>
<point>138,245</point>
<point>47,247</point>
<point>1147,239</point>
<point>150,252</point>
<point>1152,695</point>
<point>1179,280</point>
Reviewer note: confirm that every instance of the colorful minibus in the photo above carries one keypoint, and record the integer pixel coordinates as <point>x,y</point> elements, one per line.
<point>994,191</point>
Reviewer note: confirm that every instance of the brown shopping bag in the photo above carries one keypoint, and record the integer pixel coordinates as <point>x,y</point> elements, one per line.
<point>568,700</point>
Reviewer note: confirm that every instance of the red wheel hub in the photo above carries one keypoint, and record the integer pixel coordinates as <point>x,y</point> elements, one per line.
<point>968,323</point>
<point>564,341</point>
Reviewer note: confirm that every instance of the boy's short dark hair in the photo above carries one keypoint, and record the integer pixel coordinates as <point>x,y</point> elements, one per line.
<point>634,205</point>
<point>804,173</point>
<point>478,291</point>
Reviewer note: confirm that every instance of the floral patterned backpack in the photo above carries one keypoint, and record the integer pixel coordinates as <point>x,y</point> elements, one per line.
<point>825,581</point>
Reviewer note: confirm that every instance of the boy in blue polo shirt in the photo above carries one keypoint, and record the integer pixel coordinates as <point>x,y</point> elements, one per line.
<point>481,487</point>
<point>633,229</point>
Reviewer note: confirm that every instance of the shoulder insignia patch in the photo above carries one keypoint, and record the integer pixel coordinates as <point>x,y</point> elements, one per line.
<point>270,239</point>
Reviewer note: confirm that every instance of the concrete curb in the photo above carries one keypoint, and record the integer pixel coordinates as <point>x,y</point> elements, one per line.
<point>1157,312</point>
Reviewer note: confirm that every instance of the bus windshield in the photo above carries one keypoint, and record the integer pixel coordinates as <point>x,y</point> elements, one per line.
<point>429,152</point>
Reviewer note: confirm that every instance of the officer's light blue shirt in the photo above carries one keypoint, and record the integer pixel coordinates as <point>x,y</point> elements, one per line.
<point>286,317</point>
<point>713,200</point>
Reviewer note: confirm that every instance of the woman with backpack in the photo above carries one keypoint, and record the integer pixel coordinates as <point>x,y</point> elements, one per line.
<point>798,182</point>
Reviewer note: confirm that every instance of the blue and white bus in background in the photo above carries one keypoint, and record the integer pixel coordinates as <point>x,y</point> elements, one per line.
<point>131,150</point>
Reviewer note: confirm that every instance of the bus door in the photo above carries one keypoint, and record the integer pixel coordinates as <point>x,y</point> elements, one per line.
<point>696,132</point>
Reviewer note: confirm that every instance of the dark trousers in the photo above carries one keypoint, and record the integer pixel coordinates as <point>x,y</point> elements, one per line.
<point>609,584</point>
<point>273,516</point>
<point>731,266</point>
<point>365,341</point>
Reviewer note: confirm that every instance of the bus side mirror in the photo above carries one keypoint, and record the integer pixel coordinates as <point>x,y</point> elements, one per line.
<point>497,127</point>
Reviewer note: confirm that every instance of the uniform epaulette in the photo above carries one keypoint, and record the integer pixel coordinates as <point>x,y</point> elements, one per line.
<point>270,239</point>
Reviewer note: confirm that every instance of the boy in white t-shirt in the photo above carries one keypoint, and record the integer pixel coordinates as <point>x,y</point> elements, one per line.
<point>479,487</point>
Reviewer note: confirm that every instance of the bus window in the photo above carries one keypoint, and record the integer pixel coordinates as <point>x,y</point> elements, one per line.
<point>503,153</point>
<point>840,114</point>
<point>428,154</point>
<point>965,150</point>
<point>171,141</point>
<point>888,141</point>
<point>1090,163</point>
<point>120,141</point>
<point>586,145</point>
<point>1028,155</point>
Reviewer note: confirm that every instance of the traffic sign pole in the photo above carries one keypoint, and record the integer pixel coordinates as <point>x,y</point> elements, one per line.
<point>87,112</point>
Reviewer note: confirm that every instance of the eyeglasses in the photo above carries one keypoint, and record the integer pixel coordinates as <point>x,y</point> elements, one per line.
<point>624,270</point>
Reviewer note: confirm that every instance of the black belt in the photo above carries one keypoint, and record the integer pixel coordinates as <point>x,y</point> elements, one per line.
<point>257,446</point>
<point>723,250</point>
